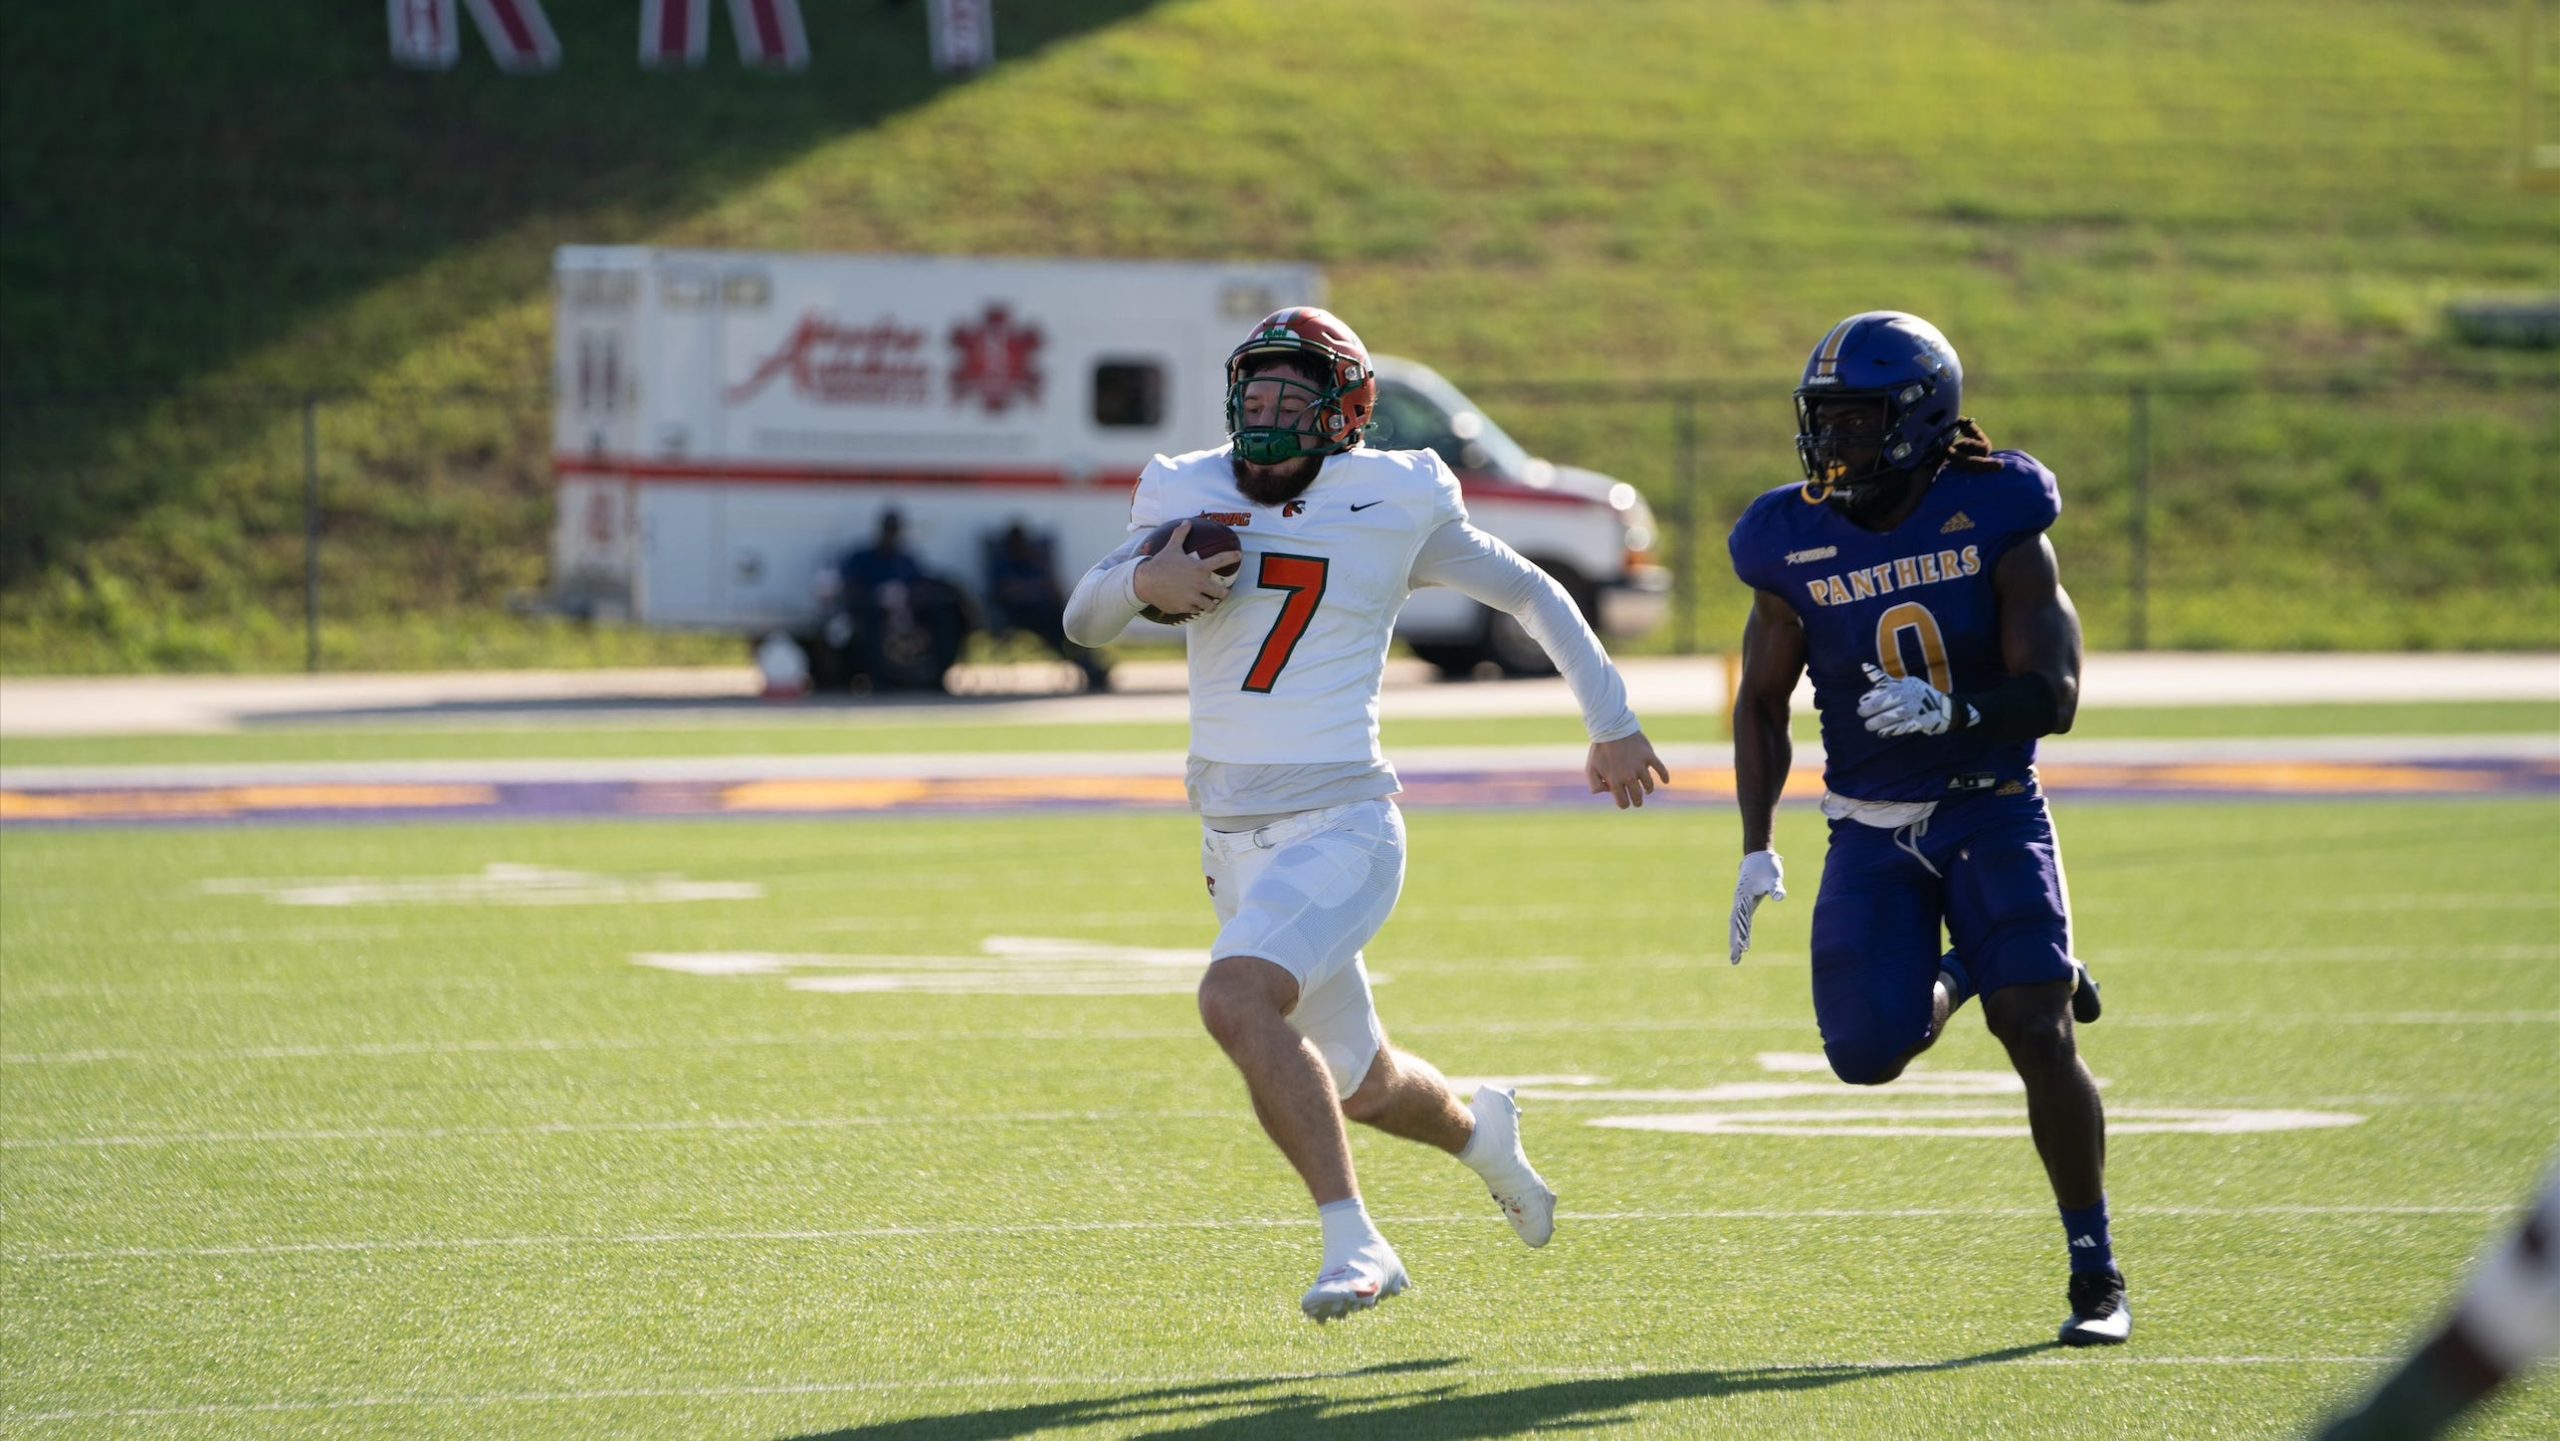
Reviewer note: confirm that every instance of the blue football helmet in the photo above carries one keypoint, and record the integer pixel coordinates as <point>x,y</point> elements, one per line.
<point>1902,364</point>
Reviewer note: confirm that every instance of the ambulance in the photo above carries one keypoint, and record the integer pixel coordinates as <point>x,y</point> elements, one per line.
<point>729,425</point>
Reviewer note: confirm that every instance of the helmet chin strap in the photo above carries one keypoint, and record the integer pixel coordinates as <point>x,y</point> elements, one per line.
<point>1821,488</point>
<point>1272,445</point>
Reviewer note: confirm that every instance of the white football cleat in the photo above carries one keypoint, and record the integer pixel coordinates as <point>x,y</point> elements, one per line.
<point>1527,1201</point>
<point>1371,1275</point>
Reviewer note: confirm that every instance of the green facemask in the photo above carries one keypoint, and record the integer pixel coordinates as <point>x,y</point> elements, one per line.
<point>1276,444</point>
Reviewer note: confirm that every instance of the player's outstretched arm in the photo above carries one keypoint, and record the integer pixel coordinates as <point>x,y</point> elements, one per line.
<point>1764,750</point>
<point>1622,764</point>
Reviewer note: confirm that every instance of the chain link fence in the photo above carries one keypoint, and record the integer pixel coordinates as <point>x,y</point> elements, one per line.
<point>258,530</point>
<point>360,531</point>
<point>2324,513</point>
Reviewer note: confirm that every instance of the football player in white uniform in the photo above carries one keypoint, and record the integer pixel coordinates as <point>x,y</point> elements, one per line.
<point>1302,843</point>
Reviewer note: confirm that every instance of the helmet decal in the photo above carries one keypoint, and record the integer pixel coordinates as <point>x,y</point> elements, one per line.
<point>1826,358</point>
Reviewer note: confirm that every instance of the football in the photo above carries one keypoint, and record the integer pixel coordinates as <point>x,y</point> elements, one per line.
<point>1207,538</point>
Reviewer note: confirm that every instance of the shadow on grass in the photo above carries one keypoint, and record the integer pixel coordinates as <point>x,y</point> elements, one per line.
<point>1274,1408</point>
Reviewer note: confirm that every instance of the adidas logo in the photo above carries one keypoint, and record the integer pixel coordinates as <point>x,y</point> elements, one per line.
<point>1959,521</point>
<point>2084,1243</point>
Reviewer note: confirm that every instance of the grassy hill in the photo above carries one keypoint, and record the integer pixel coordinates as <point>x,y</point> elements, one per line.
<point>212,210</point>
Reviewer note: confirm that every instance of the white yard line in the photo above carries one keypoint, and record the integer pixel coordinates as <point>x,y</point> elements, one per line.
<point>2103,958</point>
<point>368,1135</point>
<point>2314,955</point>
<point>362,1135</point>
<point>2291,1019</point>
<point>1934,1214</point>
<point>1232,1386</point>
<point>549,1045</point>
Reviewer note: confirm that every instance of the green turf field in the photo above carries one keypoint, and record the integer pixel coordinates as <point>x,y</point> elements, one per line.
<point>431,1163</point>
<point>840,732</point>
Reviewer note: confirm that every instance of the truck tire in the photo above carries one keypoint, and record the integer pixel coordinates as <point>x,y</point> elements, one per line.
<point>1454,659</point>
<point>828,673</point>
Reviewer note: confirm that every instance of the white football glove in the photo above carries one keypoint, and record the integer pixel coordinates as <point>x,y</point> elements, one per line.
<point>1904,706</point>
<point>1764,878</point>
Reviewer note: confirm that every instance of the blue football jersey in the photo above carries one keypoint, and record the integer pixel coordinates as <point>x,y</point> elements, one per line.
<point>1916,600</point>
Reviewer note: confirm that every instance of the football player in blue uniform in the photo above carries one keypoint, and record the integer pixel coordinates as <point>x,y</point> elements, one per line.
<point>1910,572</point>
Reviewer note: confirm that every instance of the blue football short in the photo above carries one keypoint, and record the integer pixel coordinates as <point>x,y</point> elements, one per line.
<point>1986,868</point>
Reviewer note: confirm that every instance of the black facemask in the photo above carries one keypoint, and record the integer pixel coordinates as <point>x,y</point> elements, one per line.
<point>1879,497</point>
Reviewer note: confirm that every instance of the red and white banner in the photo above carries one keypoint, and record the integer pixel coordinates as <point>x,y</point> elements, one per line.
<point>963,35</point>
<point>424,35</point>
<point>519,35</point>
<point>770,35</point>
<point>674,34</point>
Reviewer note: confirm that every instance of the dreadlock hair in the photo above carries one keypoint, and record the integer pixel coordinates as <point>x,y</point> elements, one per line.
<point>1970,449</point>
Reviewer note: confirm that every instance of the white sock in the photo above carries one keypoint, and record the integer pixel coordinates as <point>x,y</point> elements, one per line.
<point>1347,1229</point>
<point>1480,1155</point>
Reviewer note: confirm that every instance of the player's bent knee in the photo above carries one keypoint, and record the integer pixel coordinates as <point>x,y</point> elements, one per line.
<point>1864,1064</point>
<point>2036,1033</point>
<point>1239,991</point>
<point>2044,1046</point>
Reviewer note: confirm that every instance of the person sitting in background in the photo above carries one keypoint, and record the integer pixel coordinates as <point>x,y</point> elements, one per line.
<point>1023,591</point>
<point>907,624</point>
<point>883,562</point>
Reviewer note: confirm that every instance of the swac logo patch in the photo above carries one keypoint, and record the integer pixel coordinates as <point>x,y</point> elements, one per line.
<point>1228,518</point>
<point>1958,521</point>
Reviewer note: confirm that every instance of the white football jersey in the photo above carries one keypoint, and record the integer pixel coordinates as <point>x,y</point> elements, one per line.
<point>1287,669</point>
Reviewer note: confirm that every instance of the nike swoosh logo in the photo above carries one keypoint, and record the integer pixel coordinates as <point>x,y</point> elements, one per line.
<point>1364,505</point>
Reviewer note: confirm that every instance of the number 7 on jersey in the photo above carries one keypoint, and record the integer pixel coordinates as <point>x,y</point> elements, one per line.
<point>1302,576</point>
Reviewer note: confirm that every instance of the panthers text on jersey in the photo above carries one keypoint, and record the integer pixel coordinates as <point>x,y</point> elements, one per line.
<point>1917,600</point>
<point>1287,669</point>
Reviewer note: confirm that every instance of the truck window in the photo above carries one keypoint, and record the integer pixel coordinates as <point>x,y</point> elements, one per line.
<point>1412,417</point>
<point>1128,394</point>
<point>1408,421</point>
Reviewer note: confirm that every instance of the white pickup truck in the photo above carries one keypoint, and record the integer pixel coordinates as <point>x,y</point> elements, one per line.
<point>729,424</point>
